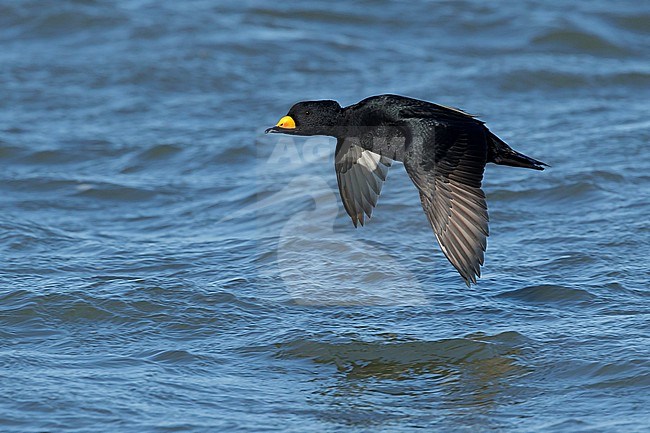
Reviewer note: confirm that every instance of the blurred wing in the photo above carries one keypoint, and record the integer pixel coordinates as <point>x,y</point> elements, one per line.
<point>448,173</point>
<point>360,174</point>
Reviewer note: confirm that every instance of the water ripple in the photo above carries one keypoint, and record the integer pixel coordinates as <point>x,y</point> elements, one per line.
<point>549,294</point>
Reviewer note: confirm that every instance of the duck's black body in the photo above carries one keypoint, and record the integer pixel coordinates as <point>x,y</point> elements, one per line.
<point>444,151</point>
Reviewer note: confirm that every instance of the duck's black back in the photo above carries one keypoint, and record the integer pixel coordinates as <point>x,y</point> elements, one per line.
<point>444,151</point>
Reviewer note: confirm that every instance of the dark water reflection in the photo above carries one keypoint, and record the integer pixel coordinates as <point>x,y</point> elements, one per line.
<point>388,382</point>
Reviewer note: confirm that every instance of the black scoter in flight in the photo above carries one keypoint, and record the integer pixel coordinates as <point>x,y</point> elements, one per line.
<point>444,151</point>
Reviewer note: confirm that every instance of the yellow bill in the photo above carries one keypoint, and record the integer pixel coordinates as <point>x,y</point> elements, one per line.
<point>286,122</point>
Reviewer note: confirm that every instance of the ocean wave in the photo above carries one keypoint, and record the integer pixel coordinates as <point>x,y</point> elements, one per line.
<point>34,19</point>
<point>578,41</point>
<point>128,300</point>
<point>111,191</point>
<point>549,294</point>
<point>583,190</point>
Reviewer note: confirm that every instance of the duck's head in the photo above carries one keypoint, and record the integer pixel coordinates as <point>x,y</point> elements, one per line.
<point>310,118</point>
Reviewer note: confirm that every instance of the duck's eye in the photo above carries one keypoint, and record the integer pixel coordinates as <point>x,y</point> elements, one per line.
<point>307,113</point>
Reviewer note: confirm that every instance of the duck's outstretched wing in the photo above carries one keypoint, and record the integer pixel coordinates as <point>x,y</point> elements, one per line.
<point>446,164</point>
<point>360,174</point>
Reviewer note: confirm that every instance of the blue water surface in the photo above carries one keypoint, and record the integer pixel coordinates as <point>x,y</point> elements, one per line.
<point>165,266</point>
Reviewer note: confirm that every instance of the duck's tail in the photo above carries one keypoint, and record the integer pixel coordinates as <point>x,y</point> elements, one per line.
<point>500,153</point>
